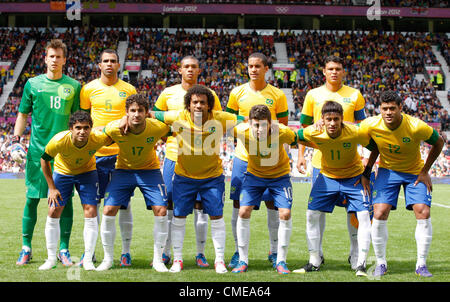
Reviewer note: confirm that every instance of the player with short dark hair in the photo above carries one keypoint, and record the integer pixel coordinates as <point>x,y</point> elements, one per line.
<point>73,152</point>
<point>105,99</point>
<point>398,137</point>
<point>241,100</point>
<point>353,104</point>
<point>340,175</point>
<point>50,98</point>
<point>268,169</point>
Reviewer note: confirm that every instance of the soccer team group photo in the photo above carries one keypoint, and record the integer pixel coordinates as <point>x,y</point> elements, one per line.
<point>236,155</point>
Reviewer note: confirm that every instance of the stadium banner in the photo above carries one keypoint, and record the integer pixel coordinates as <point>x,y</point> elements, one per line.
<point>5,65</point>
<point>433,70</point>
<point>133,66</point>
<point>234,9</point>
<point>284,67</point>
<point>58,5</point>
<point>436,126</point>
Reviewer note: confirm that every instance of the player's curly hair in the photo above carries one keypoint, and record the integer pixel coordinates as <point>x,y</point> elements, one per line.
<point>199,90</point>
<point>57,44</point>
<point>139,99</point>
<point>332,107</point>
<point>80,116</point>
<point>260,112</point>
<point>390,96</point>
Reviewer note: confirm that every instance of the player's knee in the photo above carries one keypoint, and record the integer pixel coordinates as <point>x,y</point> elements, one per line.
<point>284,214</point>
<point>90,211</point>
<point>160,210</point>
<point>55,212</point>
<point>422,211</point>
<point>110,210</point>
<point>245,212</point>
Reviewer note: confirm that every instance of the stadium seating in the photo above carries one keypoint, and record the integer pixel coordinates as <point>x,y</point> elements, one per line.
<point>373,66</point>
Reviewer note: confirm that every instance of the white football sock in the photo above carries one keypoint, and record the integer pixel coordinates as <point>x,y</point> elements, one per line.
<point>322,222</point>
<point>218,233</point>
<point>353,234</point>
<point>52,231</point>
<point>273,222</point>
<point>160,230</point>
<point>363,237</point>
<point>126,228</point>
<point>284,235</point>
<point>90,234</point>
<point>424,235</point>
<point>98,213</point>
<point>178,231</point>
<point>379,240</point>
<point>108,235</point>
<point>201,229</point>
<point>313,236</point>
<point>168,245</point>
<point>234,219</point>
<point>243,235</point>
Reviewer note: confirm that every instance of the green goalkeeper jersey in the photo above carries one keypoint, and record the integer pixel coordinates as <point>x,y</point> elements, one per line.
<point>51,102</point>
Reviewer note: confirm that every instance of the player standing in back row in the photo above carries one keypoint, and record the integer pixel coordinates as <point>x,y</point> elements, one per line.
<point>105,99</point>
<point>170,99</point>
<point>50,98</point>
<point>242,99</point>
<point>353,104</point>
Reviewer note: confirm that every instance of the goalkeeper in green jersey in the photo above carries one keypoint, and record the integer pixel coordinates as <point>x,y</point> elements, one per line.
<point>50,98</point>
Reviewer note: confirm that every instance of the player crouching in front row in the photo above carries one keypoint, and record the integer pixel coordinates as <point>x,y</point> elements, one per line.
<point>268,169</point>
<point>137,166</point>
<point>73,151</point>
<point>341,174</point>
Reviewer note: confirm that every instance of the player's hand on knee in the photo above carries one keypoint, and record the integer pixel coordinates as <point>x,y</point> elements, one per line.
<point>54,198</point>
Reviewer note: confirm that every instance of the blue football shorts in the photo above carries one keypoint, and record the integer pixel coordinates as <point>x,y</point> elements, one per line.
<point>85,183</point>
<point>186,190</point>
<point>254,187</point>
<point>237,176</point>
<point>124,182</point>
<point>387,185</point>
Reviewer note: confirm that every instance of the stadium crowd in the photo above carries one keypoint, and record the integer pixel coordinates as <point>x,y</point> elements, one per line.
<point>373,67</point>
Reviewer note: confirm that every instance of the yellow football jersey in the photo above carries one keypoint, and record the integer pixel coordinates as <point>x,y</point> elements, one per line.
<point>400,148</point>
<point>340,157</point>
<point>199,147</point>
<point>350,98</point>
<point>71,160</point>
<point>137,151</point>
<point>172,98</point>
<point>107,104</point>
<point>243,98</point>
<point>268,158</point>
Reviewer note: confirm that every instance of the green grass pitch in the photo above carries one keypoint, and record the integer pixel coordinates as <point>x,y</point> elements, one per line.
<point>401,250</point>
